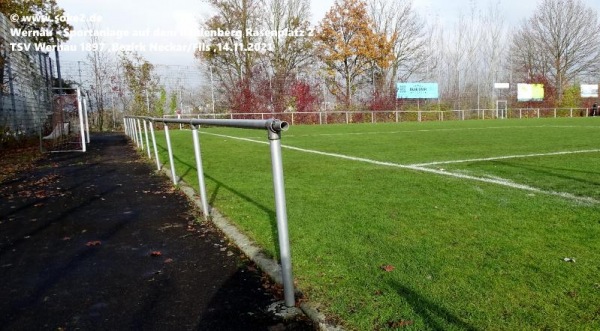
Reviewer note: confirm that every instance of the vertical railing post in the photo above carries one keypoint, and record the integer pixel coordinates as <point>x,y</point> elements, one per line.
<point>134,132</point>
<point>141,137</point>
<point>281,214</point>
<point>154,145</point>
<point>170,151</point>
<point>200,169</point>
<point>81,120</point>
<point>147,138</point>
<point>130,128</point>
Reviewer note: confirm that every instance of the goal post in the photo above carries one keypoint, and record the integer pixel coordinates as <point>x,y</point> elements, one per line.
<point>501,109</point>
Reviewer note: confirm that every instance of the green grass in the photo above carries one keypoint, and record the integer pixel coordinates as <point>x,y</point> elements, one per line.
<point>466,254</point>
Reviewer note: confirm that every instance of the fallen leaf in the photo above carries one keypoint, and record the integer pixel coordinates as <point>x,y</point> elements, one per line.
<point>387,268</point>
<point>66,238</point>
<point>93,243</point>
<point>168,260</point>
<point>155,253</point>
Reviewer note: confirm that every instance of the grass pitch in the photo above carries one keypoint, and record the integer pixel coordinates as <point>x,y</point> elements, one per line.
<point>457,225</point>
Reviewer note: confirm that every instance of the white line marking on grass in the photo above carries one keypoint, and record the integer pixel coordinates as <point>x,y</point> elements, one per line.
<point>437,130</point>
<point>505,157</point>
<point>497,181</point>
<point>236,138</point>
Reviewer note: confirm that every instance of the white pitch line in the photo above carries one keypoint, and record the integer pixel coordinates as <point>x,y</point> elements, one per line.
<point>436,130</point>
<point>505,157</point>
<point>497,181</point>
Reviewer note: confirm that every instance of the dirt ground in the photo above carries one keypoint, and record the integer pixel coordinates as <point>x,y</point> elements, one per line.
<point>99,241</point>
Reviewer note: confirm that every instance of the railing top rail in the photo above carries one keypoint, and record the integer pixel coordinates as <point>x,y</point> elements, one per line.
<point>272,125</point>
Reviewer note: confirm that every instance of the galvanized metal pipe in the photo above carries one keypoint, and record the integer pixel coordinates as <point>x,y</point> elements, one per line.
<point>154,145</point>
<point>200,169</point>
<point>147,138</point>
<point>170,151</point>
<point>271,124</point>
<point>274,128</point>
<point>141,138</point>
<point>81,123</point>
<point>282,221</point>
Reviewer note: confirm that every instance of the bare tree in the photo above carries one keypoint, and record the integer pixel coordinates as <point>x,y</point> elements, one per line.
<point>494,49</point>
<point>410,37</point>
<point>290,50</point>
<point>471,56</point>
<point>225,43</point>
<point>562,41</point>
<point>102,68</point>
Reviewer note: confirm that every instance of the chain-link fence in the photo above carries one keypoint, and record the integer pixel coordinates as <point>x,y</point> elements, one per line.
<point>25,86</point>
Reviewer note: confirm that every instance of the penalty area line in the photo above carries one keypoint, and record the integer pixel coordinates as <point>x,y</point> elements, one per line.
<point>495,158</point>
<point>496,181</point>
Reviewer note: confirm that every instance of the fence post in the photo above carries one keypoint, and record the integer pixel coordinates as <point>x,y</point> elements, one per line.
<point>81,120</point>
<point>281,214</point>
<point>154,145</point>
<point>141,137</point>
<point>86,119</point>
<point>125,128</point>
<point>127,125</point>
<point>200,169</point>
<point>147,138</point>
<point>133,129</point>
<point>170,151</point>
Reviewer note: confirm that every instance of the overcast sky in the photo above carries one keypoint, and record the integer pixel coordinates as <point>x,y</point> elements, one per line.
<point>177,22</point>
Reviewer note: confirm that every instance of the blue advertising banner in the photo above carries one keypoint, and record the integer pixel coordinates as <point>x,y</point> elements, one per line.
<point>417,91</point>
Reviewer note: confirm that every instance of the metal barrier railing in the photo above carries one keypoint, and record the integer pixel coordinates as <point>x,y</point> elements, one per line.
<point>391,116</point>
<point>137,129</point>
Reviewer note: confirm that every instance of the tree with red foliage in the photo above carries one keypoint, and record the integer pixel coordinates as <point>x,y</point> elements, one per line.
<point>243,99</point>
<point>381,101</point>
<point>303,100</point>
